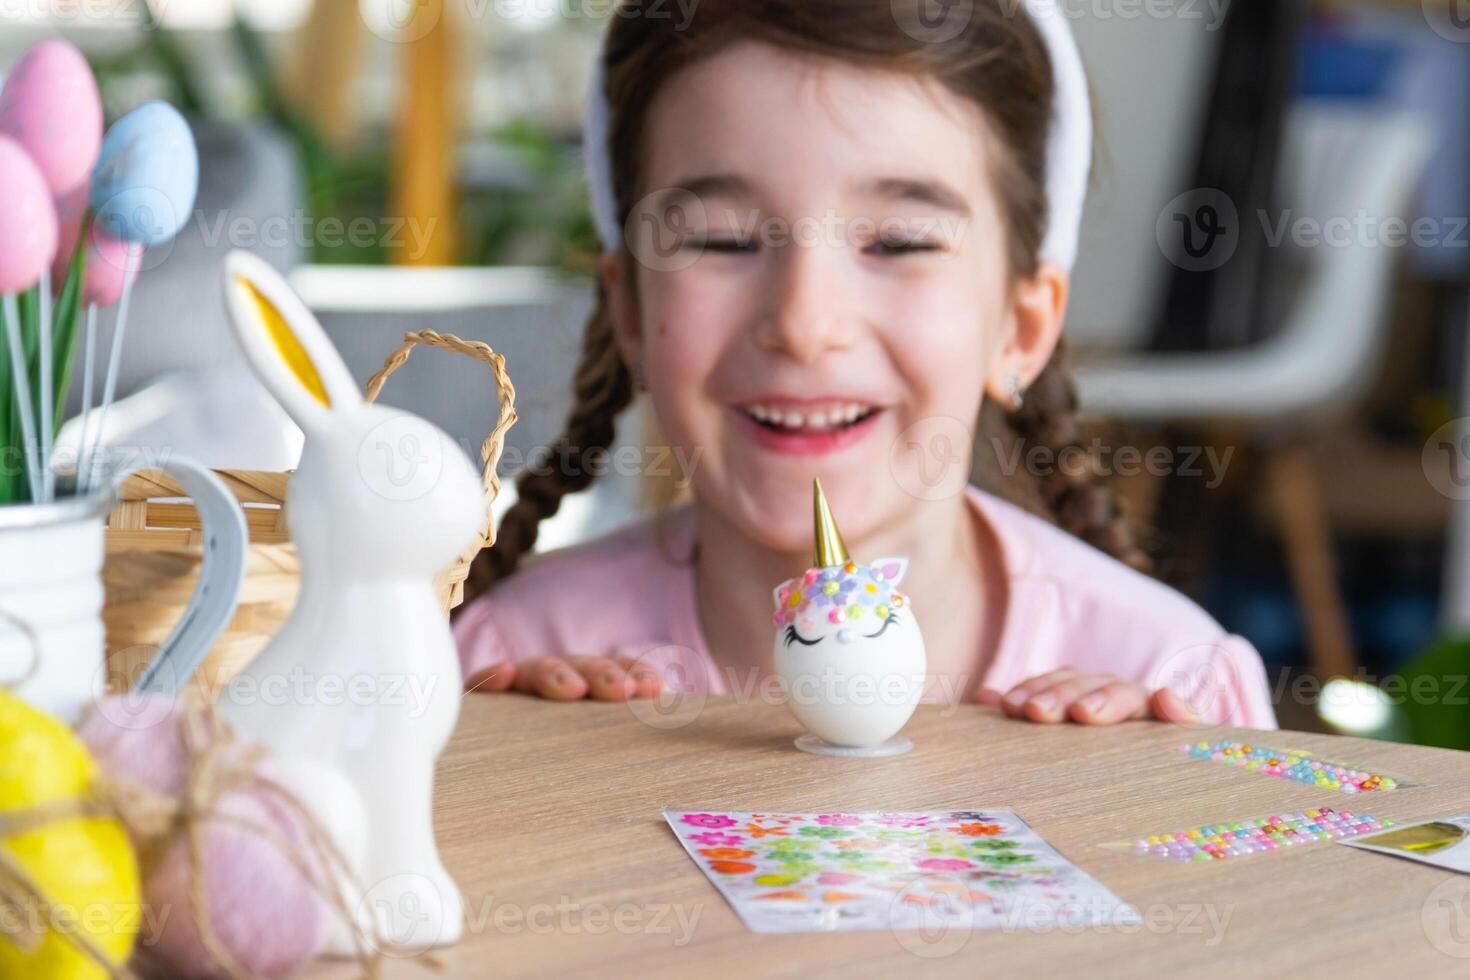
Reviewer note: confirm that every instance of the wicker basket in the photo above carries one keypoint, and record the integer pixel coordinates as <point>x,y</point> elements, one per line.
<point>153,546</point>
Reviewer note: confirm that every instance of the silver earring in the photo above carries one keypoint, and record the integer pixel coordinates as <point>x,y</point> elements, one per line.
<point>1018,397</point>
<point>640,380</point>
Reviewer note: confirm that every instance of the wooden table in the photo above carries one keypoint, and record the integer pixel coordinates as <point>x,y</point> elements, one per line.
<point>549,816</point>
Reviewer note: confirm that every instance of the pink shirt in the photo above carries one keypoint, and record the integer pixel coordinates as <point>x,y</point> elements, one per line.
<point>632,594</point>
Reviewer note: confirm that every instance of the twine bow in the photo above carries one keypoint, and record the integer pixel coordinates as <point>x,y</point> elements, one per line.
<point>11,683</point>
<point>25,913</point>
<point>216,764</point>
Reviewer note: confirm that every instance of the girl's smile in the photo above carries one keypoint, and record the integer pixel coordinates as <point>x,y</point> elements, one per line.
<point>812,427</point>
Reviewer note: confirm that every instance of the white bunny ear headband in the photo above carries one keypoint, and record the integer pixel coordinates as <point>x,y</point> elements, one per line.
<point>1069,148</point>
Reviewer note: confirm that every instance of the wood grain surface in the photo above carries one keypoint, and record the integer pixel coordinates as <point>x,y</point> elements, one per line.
<point>549,816</point>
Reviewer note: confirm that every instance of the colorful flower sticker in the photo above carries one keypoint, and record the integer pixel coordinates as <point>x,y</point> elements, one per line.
<point>714,839</point>
<point>711,820</point>
<point>944,864</point>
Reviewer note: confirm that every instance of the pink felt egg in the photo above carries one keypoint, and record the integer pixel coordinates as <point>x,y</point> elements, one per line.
<point>265,912</point>
<point>27,220</point>
<point>50,106</point>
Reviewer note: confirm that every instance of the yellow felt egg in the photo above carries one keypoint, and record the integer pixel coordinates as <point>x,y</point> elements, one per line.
<point>83,866</point>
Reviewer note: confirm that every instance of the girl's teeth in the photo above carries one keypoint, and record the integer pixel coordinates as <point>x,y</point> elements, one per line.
<point>839,415</point>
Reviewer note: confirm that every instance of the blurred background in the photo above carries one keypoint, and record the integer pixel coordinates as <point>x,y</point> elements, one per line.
<point>1269,320</point>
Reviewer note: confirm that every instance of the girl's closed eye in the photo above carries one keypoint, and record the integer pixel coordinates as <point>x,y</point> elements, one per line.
<point>723,243</point>
<point>893,245</point>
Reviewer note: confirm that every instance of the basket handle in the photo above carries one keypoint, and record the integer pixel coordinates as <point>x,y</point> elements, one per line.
<point>505,397</point>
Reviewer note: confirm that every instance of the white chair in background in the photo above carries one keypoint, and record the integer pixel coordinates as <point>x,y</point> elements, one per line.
<point>1339,161</point>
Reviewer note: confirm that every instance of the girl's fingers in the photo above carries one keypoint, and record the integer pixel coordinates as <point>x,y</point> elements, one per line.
<point>1014,701</point>
<point>607,680</point>
<point>646,681</point>
<point>1165,705</point>
<point>988,696</point>
<point>492,679</point>
<point>1115,701</point>
<point>1051,704</point>
<point>552,678</point>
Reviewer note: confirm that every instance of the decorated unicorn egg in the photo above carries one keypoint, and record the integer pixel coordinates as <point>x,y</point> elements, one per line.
<point>848,648</point>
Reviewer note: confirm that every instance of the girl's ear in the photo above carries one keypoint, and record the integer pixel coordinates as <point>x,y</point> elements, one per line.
<point>786,587</point>
<point>285,344</point>
<point>622,305</point>
<point>1036,315</point>
<point>889,570</point>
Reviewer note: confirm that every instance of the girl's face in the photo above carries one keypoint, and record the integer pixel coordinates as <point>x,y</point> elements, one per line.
<point>827,292</point>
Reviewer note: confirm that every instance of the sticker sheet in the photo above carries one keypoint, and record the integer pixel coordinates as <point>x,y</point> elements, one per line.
<point>1296,765</point>
<point>825,872</point>
<point>1257,835</point>
<point>1443,843</point>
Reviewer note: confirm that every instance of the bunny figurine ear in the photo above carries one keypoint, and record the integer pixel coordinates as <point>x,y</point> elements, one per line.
<point>286,345</point>
<point>890,570</point>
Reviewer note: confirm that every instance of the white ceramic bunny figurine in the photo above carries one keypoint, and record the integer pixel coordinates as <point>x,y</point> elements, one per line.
<point>848,648</point>
<point>364,674</point>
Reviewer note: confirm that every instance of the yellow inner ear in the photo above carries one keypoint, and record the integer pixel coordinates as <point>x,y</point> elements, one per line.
<point>287,345</point>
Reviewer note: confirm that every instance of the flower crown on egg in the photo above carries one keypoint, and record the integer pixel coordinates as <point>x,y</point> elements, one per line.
<point>840,594</point>
<point>836,591</point>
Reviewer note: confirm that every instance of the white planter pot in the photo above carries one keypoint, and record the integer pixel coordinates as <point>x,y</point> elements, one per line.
<point>51,581</point>
<point>52,652</point>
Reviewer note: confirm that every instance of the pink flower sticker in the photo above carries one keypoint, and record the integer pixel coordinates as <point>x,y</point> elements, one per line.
<point>716,839</point>
<point>902,820</point>
<point>838,820</point>
<point>944,864</point>
<point>712,821</point>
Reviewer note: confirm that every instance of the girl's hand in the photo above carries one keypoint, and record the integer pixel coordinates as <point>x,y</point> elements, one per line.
<point>571,678</point>
<point>1088,699</point>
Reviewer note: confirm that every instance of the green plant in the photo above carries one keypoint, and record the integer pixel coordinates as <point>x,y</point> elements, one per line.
<point>1437,694</point>
<point>14,481</point>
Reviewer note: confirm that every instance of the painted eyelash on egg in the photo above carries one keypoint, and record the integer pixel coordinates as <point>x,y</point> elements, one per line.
<point>892,618</point>
<point>791,634</point>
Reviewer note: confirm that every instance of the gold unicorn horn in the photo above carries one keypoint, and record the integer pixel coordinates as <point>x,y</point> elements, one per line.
<point>829,547</point>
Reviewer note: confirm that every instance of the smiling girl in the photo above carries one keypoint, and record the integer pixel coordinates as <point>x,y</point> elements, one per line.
<point>849,240</point>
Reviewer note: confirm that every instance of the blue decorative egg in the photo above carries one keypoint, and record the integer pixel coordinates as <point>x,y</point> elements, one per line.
<point>147,176</point>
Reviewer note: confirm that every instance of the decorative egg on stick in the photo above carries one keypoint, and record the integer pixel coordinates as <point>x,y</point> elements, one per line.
<point>143,191</point>
<point>27,246</point>
<point>109,270</point>
<point>51,107</point>
<point>848,648</point>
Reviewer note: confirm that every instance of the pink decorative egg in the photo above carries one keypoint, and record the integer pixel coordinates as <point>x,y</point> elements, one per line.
<point>27,220</point>
<point>50,106</point>
<point>110,264</point>
<point>71,208</point>
<point>265,912</point>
